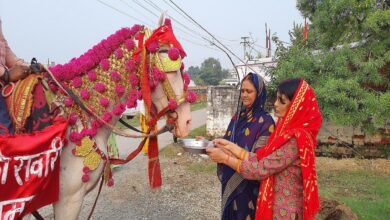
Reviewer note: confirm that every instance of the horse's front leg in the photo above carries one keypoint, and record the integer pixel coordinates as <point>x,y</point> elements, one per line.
<point>72,189</point>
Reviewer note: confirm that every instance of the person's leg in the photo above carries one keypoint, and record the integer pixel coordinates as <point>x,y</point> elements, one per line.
<point>5,120</point>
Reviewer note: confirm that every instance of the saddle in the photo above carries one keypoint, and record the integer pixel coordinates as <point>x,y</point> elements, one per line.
<point>27,104</point>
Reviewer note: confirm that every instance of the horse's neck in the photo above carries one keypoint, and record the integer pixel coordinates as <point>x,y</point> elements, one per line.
<point>101,139</point>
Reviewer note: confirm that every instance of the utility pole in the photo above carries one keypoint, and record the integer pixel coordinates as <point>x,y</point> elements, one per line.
<point>245,43</point>
<point>268,41</point>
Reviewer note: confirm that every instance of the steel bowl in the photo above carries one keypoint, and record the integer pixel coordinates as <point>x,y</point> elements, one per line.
<point>195,146</point>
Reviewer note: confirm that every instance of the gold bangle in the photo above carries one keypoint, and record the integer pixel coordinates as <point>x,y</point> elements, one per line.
<point>238,165</point>
<point>242,154</point>
<point>239,153</point>
<point>245,155</point>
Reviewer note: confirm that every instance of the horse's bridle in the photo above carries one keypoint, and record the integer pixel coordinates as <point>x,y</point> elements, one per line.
<point>167,127</point>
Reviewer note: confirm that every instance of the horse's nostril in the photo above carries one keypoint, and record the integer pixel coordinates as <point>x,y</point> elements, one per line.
<point>189,122</point>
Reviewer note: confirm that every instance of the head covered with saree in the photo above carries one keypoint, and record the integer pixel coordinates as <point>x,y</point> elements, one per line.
<point>244,129</point>
<point>301,121</point>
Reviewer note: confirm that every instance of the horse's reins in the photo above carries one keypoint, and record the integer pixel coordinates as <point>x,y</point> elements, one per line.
<point>167,127</point>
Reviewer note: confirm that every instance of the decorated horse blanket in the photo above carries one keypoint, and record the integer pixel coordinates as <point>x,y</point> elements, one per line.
<point>29,170</point>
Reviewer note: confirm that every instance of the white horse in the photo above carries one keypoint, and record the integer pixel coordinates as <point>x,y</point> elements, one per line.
<point>73,187</point>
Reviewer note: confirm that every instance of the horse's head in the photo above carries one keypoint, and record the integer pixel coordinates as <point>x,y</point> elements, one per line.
<point>168,84</point>
<point>134,63</point>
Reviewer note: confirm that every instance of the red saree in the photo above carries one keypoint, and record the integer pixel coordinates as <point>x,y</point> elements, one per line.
<point>302,121</point>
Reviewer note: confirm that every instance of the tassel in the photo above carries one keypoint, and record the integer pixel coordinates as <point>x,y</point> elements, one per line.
<point>154,170</point>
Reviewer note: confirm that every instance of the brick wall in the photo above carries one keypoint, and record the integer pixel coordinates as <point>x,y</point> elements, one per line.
<point>201,92</point>
<point>336,141</point>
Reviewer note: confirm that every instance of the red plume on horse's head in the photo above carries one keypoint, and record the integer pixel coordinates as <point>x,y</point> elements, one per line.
<point>164,35</point>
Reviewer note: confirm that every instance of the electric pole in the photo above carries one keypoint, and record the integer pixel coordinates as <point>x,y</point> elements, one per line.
<point>245,43</point>
<point>268,41</point>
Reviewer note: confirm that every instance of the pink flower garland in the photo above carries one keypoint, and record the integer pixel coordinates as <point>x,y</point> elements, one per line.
<point>97,55</point>
<point>173,53</point>
<point>92,75</point>
<point>172,104</point>
<point>84,94</point>
<point>72,118</point>
<point>107,117</point>
<point>68,101</point>
<point>152,47</point>
<point>77,82</point>
<point>120,90</point>
<point>104,102</point>
<point>129,44</point>
<point>119,109</point>
<point>105,64</point>
<point>115,76</point>
<point>133,80</point>
<point>100,87</point>
<point>130,66</point>
<point>191,97</point>
<point>118,53</point>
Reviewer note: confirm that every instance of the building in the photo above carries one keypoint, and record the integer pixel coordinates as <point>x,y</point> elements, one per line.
<point>260,66</point>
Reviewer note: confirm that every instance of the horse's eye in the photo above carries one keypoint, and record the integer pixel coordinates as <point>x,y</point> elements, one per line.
<point>163,51</point>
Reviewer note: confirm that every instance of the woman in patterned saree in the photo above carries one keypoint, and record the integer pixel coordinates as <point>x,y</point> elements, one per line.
<point>253,123</point>
<point>285,165</point>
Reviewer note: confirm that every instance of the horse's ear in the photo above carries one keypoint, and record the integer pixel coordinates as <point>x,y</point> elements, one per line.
<point>162,19</point>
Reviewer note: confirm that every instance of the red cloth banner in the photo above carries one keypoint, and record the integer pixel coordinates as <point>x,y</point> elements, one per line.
<point>29,170</point>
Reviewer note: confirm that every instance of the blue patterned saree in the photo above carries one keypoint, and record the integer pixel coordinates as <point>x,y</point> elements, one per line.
<point>246,127</point>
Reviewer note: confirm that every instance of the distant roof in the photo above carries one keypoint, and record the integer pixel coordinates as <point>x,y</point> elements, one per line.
<point>192,83</point>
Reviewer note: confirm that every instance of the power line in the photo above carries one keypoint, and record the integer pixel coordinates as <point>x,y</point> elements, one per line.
<point>147,9</point>
<point>142,6</point>
<point>183,14</point>
<point>122,12</point>
<point>136,10</point>
<point>210,34</point>
<point>176,21</point>
<point>154,5</point>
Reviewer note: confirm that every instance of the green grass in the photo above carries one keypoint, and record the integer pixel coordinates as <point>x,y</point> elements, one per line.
<point>203,167</point>
<point>200,131</point>
<point>173,149</point>
<point>133,122</point>
<point>368,194</point>
<point>198,105</point>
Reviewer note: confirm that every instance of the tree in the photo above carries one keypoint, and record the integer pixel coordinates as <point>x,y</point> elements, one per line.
<point>194,74</point>
<point>209,73</point>
<point>346,59</point>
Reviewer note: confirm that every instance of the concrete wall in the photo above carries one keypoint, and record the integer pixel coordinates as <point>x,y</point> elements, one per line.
<point>221,105</point>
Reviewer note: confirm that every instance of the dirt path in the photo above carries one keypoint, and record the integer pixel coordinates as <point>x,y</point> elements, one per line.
<point>182,196</point>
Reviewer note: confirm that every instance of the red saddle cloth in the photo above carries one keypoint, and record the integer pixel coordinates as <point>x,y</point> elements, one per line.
<point>29,170</point>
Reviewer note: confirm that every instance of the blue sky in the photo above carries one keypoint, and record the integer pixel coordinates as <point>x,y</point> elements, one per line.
<point>62,29</point>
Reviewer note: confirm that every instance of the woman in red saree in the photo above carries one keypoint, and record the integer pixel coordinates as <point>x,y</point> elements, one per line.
<point>286,164</point>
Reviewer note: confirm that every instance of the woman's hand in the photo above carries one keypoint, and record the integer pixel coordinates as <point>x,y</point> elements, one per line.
<point>217,154</point>
<point>18,71</point>
<point>225,145</point>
